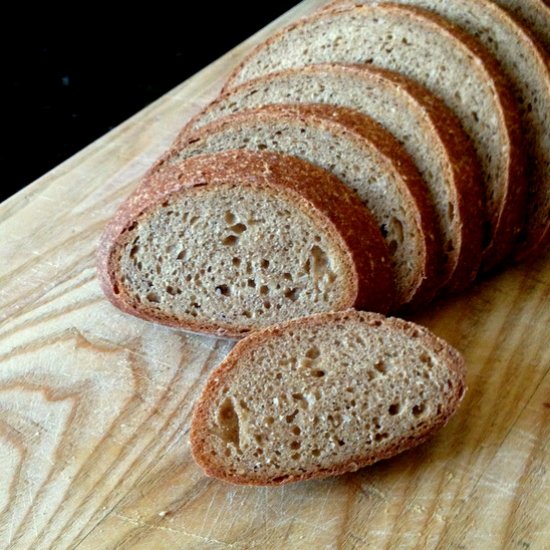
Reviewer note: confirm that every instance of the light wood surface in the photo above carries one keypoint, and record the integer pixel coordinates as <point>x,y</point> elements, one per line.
<point>95,405</point>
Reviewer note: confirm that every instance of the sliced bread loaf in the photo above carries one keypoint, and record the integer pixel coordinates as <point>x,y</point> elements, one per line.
<point>232,242</point>
<point>362,155</point>
<point>428,130</point>
<point>525,63</point>
<point>324,395</point>
<point>441,56</point>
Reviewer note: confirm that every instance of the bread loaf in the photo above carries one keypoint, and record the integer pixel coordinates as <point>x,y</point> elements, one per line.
<point>324,395</point>
<point>448,61</point>
<point>427,129</point>
<point>526,64</point>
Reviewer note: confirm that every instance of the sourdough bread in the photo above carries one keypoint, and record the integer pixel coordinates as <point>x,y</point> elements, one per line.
<point>232,242</point>
<point>362,155</point>
<point>323,395</point>
<point>526,65</point>
<point>448,61</point>
<point>427,129</point>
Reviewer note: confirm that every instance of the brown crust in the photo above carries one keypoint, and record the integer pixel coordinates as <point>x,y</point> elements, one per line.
<point>199,439</point>
<point>316,192</point>
<point>464,173</point>
<point>510,220</point>
<point>367,133</point>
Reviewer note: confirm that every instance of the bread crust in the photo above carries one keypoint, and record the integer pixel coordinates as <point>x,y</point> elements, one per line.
<point>315,192</point>
<point>510,218</point>
<point>460,159</point>
<point>366,133</point>
<point>199,439</point>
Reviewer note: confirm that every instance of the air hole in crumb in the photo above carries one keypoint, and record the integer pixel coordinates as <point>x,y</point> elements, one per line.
<point>243,405</point>
<point>278,376</point>
<point>264,264</point>
<point>171,290</point>
<point>247,314</point>
<point>315,452</point>
<point>381,367</point>
<point>236,262</point>
<point>290,417</point>
<point>341,442</point>
<point>238,228</point>
<point>153,297</point>
<point>230,240</point>
<point>313,353</point>
<point>380,437</point>
<point>417,410</point>
<point>394,409</point>
<point>295,456</point>
<point>295,445</point>
<point>251,283</point>
<point>228,421</point>
<point>223,290</point>
<point>426,359</point>
<point>291,294</point>
<point>181,255</point>
<point>287,276</point>
<point>318,373</point>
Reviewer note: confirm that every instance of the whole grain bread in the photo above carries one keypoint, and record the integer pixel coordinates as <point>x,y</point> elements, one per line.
<point>428,130</point>
<point>362,155</point>
<point>441,56</point>
<point>322,396</point>
<point>526,64</point>
<point>232,242</point>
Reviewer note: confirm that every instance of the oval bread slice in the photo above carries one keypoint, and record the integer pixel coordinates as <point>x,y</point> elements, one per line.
<point>445,59</point>
<point>362,155</point>
<point>232,242</point>
<point>324,395</point>
<point>428,130</point>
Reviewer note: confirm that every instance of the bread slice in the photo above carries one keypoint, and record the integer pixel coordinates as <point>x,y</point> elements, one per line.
<point>235,241</point>
<point>428,130</point>
<point>534,14</point>
<point>448,61</point>
<point>324,395</point>
<point>526,65</point>
<point>362,155</point>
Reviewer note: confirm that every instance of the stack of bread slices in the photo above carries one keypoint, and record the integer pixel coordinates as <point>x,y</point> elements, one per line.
<point>373,155</point>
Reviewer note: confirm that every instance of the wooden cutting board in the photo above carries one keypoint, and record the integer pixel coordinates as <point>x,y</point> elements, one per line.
<point>95,405</point>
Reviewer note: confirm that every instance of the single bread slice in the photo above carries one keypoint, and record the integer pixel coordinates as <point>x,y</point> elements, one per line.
<point>428,130</point>
<point>363,156</point>
<point>526,65</point>
<point>448,61</point>
<point>236,241</point>
<point>324,395</point>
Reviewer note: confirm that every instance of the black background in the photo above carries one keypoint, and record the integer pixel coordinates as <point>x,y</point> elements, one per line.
<point>69,78</point>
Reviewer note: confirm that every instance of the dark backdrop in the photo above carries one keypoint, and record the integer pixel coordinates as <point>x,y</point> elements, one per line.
<point>68,78</point>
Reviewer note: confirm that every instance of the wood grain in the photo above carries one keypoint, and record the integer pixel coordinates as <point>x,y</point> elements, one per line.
<point>95,405</point>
